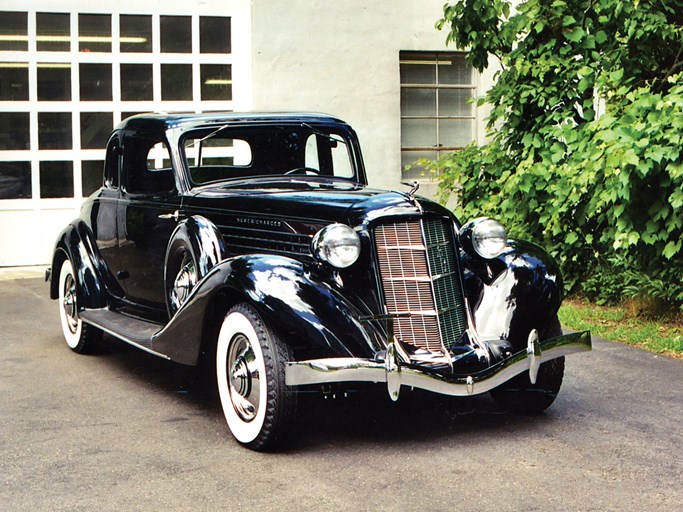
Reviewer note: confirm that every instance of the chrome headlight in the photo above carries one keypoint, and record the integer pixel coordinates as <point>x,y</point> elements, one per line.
<point>336,244</point>
<point>487,237</point>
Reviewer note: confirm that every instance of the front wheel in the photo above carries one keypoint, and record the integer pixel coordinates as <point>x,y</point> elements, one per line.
<point>250,372</point>
<point>521,396</point>
<point>81,338</point>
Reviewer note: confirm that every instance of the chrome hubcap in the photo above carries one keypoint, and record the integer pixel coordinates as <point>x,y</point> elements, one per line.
<point>69,303</point>
<point>184,282</point>
<point>243,378</point>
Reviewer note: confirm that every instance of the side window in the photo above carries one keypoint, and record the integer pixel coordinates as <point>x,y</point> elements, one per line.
<point>341,160</point>
<point>328,155</point>
<point>158,158</point>
<point>147,166</point>
<point>312,153</point>
<point>111,163</point>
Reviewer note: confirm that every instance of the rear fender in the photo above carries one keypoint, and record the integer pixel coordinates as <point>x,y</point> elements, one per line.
<point>76,242</point>
<point>308,313</point>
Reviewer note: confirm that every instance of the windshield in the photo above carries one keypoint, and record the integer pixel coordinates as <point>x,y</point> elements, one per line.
<point>238,152</point>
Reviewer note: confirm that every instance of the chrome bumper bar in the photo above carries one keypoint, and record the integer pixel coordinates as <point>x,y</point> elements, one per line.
<point>395,373</point>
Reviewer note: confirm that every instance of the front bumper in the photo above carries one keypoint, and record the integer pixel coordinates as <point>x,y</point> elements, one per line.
<point>394,372</point>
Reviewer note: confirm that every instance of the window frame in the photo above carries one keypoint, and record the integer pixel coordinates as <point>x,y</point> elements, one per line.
<point>435,58</point>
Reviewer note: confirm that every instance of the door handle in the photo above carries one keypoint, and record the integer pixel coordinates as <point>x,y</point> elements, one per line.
<point>175,215</point>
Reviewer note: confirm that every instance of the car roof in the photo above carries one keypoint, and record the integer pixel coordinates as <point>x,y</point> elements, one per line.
<point>161,122</point>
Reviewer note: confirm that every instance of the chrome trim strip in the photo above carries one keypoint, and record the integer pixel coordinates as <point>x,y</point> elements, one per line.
<point>395,374</point>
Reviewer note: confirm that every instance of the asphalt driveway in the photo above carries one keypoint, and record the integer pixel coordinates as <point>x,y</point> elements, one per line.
<point>122,430</point>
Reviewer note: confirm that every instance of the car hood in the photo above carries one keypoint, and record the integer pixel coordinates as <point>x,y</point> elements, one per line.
<point>311,201</point>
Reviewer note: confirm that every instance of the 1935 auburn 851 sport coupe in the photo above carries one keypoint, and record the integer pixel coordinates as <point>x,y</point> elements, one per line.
<point>252,242</point>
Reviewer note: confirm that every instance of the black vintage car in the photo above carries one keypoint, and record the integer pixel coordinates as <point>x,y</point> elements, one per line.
<point>251,242</point>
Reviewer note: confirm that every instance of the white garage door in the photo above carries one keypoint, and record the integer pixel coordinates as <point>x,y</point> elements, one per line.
<point>69,77</point>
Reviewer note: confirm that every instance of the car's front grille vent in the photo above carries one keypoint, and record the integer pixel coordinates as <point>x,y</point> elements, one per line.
<point>420,276</point>
<point>243,240</point>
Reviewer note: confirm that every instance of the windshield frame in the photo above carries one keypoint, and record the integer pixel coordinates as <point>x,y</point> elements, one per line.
<point>340,133</point>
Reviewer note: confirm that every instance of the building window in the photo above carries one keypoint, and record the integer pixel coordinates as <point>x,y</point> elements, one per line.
<point>437,115</point>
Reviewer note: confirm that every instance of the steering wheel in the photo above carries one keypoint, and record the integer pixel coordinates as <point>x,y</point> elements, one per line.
<point>303,170</point>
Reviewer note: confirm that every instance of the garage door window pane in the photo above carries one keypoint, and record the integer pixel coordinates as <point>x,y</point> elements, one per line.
<point>136,33</point>
<point>14,26</point>
<point>54,82</point>
<point>91,176</point>
<point>14,130</point>
<point>176,82</point>
<point>95,82</point>
<point>216,82</point>
<point>14,81</point>
<point>94,33</point>
<point>56,179</point>
<point>95,129</point>
<point>54,130</point>
<point>214,34</point>
<point>136,82</point>
<point>15,180</point>
<point>176,34</point>
<point>54,32</point>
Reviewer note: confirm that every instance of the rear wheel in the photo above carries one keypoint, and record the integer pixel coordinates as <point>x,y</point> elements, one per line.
<point>182,274</point>
<point>520,395</point>
<point>80,337</point>
<point>250,372</point>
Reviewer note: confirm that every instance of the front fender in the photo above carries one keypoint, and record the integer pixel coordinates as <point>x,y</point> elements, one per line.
<point>311,315</point>
<point>524,293</point>
<point>76,242</point>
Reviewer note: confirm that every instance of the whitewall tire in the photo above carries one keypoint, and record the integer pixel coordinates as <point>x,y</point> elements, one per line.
<point>79,337</point>
<point>250,373</point>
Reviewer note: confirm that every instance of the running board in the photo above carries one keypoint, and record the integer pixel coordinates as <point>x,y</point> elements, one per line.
<point>134,331</point>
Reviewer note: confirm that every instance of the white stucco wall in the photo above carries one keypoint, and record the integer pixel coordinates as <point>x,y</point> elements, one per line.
<point>342,58</point>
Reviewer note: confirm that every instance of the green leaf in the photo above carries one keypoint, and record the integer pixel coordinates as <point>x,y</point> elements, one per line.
<point>575,35</point>
<point>671,249</point>
<point>600,37</point>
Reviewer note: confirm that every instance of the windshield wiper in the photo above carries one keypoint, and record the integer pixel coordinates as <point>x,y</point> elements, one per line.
<point>328,136</point>
<point>212,134</point>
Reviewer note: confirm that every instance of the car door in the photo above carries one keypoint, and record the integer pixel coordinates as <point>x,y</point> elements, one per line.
<point>149,196</point>
<point>103,216</point>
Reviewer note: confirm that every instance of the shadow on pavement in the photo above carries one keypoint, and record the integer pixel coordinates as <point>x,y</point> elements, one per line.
<point>339,418</point>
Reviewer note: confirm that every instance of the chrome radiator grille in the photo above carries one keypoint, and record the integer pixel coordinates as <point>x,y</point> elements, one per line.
<point>420,275</point>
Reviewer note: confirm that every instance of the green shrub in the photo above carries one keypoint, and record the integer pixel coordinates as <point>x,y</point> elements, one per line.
<point>603,193</point>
